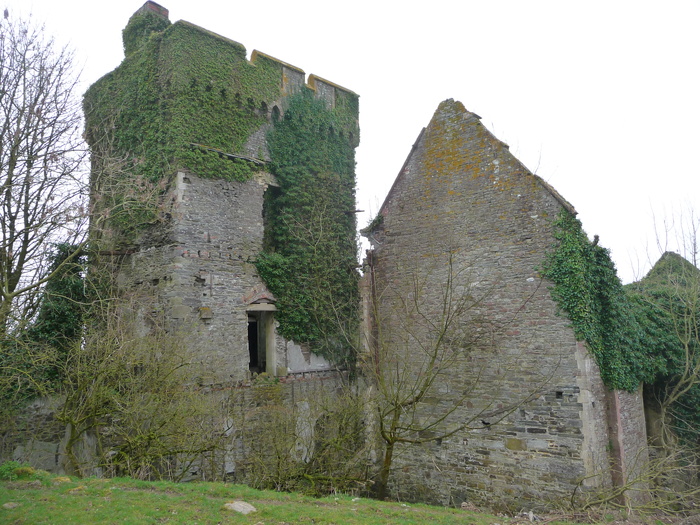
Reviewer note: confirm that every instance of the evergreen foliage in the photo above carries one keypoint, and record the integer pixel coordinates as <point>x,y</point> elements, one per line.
<point>648,331</point>
<point>60,320</point>
<point>139,29</point>
<point>181,87</point>
<point>310,258</point>
<point>178,87</point>
<point>32,364</point>
<point>667,302</point>
<point>587,289</point>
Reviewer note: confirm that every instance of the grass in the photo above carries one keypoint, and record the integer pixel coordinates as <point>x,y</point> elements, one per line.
<point>37,497</point>
<point>29,496</point>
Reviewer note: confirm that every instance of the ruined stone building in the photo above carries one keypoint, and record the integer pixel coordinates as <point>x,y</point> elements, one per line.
<point>187,113</point>
<point>248,155</point>
<point>464,218</point>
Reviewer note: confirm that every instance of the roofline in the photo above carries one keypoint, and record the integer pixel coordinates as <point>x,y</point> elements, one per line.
<point>401,171</point>
<point>544,184</point>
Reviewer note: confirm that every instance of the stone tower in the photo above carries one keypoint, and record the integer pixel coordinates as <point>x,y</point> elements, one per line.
<point>465,219</point>
<point>180,139</point>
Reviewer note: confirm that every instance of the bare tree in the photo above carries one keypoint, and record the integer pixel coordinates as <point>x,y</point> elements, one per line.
<point>313,441</point>
<point>416,343</point>
<point>131,405</point>
<point>669,298</point>
<point>679,232</point>
<point>41,165</point>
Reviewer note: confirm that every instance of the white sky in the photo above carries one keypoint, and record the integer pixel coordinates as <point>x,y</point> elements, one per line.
<point>600,98</point>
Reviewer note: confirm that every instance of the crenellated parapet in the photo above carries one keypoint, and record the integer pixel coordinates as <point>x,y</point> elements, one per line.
<point>293,80</point>
<point>233,152</point>
<point>181,84</point>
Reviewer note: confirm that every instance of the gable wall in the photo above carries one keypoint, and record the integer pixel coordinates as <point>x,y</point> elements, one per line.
<point>461,191</point>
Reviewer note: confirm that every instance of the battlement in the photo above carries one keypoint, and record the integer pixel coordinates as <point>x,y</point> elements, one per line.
<point>218,98</point>
<point>293,77</point>
<point>322,87</point>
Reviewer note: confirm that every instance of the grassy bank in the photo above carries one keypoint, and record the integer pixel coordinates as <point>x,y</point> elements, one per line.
<point>41,498</point>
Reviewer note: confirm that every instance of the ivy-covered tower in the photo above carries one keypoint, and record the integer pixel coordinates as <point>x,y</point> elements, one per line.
<point>226,191</point>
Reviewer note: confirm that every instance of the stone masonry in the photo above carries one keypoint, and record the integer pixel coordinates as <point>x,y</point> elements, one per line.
<point>463,216</point>
<point>463,212</point>
<point>198,264</point>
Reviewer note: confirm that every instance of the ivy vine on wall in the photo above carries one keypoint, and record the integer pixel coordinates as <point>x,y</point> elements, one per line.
<point>181,86</point>
<point>309,261</point>
<point>667,302</point>
<point>588,290</point>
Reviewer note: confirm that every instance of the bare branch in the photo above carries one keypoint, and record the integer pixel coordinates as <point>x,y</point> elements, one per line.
<point>42,175</point>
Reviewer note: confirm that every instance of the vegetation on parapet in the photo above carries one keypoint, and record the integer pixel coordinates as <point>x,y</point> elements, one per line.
<point>180,86</point>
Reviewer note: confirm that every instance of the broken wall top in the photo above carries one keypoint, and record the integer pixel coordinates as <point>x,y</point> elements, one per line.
<point>457,146</point>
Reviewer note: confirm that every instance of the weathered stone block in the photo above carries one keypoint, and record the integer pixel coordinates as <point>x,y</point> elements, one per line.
<point>516,444</point>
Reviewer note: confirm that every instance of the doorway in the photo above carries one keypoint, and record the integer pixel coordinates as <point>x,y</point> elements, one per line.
<point>261,342</point>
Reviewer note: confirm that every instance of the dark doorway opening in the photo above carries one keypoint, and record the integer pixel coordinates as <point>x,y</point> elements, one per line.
<point>255,349</point>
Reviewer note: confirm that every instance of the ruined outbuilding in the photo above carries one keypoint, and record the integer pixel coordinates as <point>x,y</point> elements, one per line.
<point>464,213</point>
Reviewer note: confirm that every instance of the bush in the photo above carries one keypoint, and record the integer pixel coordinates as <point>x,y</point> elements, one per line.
<point>8,470</point>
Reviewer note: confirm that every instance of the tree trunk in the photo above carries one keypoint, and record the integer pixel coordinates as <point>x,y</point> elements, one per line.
<point>384,472</point>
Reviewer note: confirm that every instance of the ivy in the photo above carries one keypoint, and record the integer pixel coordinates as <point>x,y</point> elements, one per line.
<point>178,85</point>
<point>139,29</point>
<point>667,301</point>
<point>587,289</point>
<point>181,85</point>
<point>309,261</point>
<point>373,225</point>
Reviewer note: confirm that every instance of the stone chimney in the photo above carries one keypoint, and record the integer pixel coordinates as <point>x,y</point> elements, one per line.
<point>152,7</point>
<point>151,17</point>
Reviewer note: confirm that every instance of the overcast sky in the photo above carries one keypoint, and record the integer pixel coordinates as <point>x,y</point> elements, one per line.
<point>600,98</point>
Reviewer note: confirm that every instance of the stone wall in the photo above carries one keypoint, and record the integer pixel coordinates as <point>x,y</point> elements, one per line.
<point>594,417</point>
<point>521,415</point>
<point>207,101</point>
<point>260,416</point>
<point>628,438</point>
<point>202,274</point>
<point>38,439</point>
<point>34,436</point>
<point>465,214</point>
